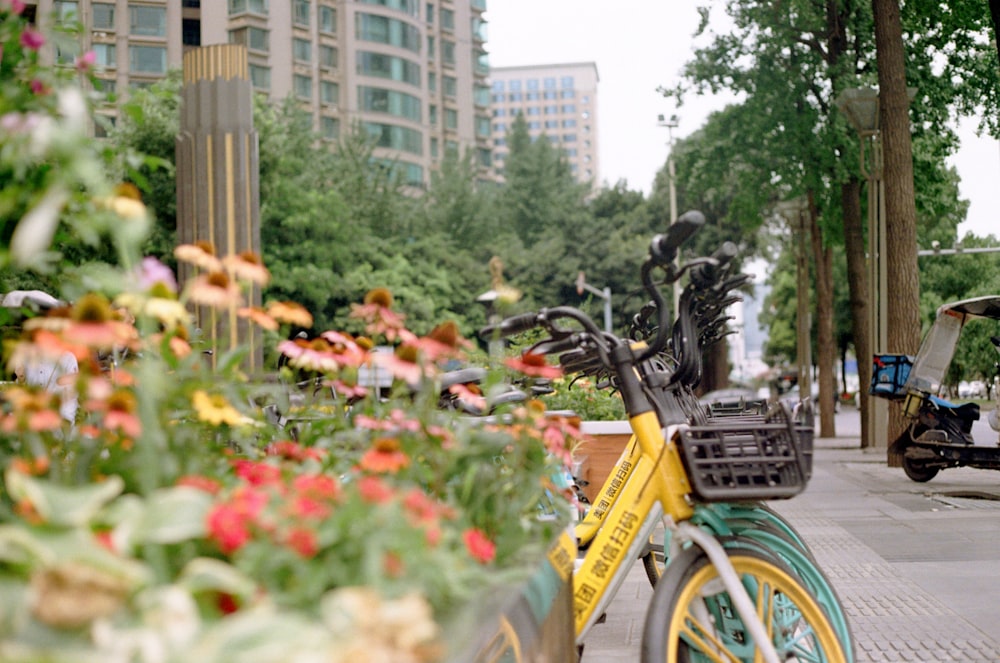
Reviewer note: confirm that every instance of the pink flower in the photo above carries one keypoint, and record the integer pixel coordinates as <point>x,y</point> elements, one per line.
<point>86,61</point>
<point>32,39</point>
<point>479,546</point>
<point>151,271</point>
<point>257,474</point>
<point>374,490</point>
<point>39,88</point>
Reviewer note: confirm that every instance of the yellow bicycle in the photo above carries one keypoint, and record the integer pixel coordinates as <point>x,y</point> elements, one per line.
<point>720,598</point>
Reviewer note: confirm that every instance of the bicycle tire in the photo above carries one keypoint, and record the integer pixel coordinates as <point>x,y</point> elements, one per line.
<point>673,633</point>
<point>653,560</point>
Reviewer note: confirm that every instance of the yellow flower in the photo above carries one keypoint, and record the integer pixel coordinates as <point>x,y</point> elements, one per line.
<point>216,410</point>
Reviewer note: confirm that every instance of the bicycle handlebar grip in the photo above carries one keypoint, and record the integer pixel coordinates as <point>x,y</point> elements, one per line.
<point>706,274</point>
<point>664,247</point>
<point>510,326</point>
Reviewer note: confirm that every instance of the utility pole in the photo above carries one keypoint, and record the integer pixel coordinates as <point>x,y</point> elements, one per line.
<point>671,124</point>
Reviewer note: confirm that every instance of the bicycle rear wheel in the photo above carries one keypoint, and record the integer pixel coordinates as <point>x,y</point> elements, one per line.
<point>691,617</point>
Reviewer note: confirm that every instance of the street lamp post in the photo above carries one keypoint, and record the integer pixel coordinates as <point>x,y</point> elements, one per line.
<point>860,106</point>
<point>671,124</point>
<point>794,211</point>
<point>605,294</point>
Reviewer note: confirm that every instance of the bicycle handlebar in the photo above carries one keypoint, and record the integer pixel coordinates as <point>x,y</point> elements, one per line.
<point>663,248</point>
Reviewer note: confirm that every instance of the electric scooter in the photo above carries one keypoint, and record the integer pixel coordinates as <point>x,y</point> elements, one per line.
<point>939,434</point>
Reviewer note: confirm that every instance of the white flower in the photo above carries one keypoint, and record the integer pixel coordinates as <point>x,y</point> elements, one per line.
<point>33,234</point>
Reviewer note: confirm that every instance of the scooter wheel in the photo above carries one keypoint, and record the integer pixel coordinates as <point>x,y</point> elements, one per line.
<point>919,470</point>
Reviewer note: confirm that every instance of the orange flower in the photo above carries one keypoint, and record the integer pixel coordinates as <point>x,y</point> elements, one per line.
<point>291,313</point>
<point>258,316</point>
<point>303,541</point>
<point>215,289</point>
<point>374,490</point>
<point>247,266</point>
<point>385,456</point>
<point>534,365</point>
<point>392,564</point>
<point>200,254</point>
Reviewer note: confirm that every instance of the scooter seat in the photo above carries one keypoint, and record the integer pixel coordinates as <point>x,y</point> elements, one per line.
<point>965,411</point>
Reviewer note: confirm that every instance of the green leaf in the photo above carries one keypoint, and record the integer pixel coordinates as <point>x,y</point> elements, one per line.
<point>173,515</point>
<point>63,505</point>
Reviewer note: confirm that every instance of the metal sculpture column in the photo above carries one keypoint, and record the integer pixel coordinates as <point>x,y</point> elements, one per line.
<point>218,195</point>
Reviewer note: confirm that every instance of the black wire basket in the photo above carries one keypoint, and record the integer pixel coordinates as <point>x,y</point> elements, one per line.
<point>770,458</point>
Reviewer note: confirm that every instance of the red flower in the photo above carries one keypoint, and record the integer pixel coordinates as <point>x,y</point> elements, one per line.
<point>303,541</point>
<point>481,548</point>
<point>293,451</point>
<point>374,490</point>
<point>229,527</point>
<point>392,565</point>
<point>306,507</point>
<point>226,603</point>
<point>210,486</point>
<point>317,486</point>
<point>257,474</point>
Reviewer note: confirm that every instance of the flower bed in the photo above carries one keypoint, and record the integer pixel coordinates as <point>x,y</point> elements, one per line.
<point>159,507</point>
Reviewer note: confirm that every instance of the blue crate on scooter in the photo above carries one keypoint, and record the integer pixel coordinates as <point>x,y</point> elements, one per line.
<point>889,375</point>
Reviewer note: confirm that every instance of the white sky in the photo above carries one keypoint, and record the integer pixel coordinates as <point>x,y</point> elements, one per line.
<point>639,45</point>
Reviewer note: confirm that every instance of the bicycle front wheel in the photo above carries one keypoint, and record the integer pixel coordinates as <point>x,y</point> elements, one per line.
<point>691,617</point>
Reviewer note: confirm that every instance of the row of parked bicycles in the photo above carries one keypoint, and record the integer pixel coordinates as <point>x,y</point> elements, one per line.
<point>733,580</point>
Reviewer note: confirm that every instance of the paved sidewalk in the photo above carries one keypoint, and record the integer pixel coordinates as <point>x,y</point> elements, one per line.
<point>917,566</point>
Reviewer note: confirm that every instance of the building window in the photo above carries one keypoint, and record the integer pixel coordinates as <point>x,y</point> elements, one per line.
<point>260,77</point>
<point>534,110</point>
<point>147,59</point>
<point>302,50</point>
<point>515,96</point>
<point>431,50</point>
<point>481,95</point>
<point>434,147</point>
<point>106,86</point>
<point>302,86</point>
<point>329,92</point>
<point>385,30</point>
<point>105,56</point>
<point>549,83</point>
<point>245,6</point>
<point>567,94</point>
<point>498,86</point>
<point>395,137</point>
<point>411,7</point>
<point>449,84</point>
<point>254,39</point>
<point>450,118</point>
<point>569,138</point>
<point>569,124</point>
<point>147,21</point>
<point>102,16</point>
<point>566,82</point>
<point>482,127</point>
<point>327,19</point>
<point>430,13</point>
<point>329,127</point>
<point>551,124</point>
<point>389,66</point>
<point>432,81</point>
<point>551,110</point>
<point>327,56</point>
<point>532,96</point>
<point>301,13</point>
<point>432,115</point>
<point>448,52</point>
<point>380,100</point>
<point>571,108</point>
<point>67,11</point>
<point>447,19</point>
<point>484,157</point>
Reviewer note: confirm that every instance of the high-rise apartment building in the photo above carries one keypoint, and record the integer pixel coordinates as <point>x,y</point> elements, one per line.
<point>558,101</point>
<point>411,73</point>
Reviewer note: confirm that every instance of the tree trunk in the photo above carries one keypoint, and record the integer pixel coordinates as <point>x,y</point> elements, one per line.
<point>900,205</point>
<point>995,15</point>
<point>826,349</point>
<point>857,279</point>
